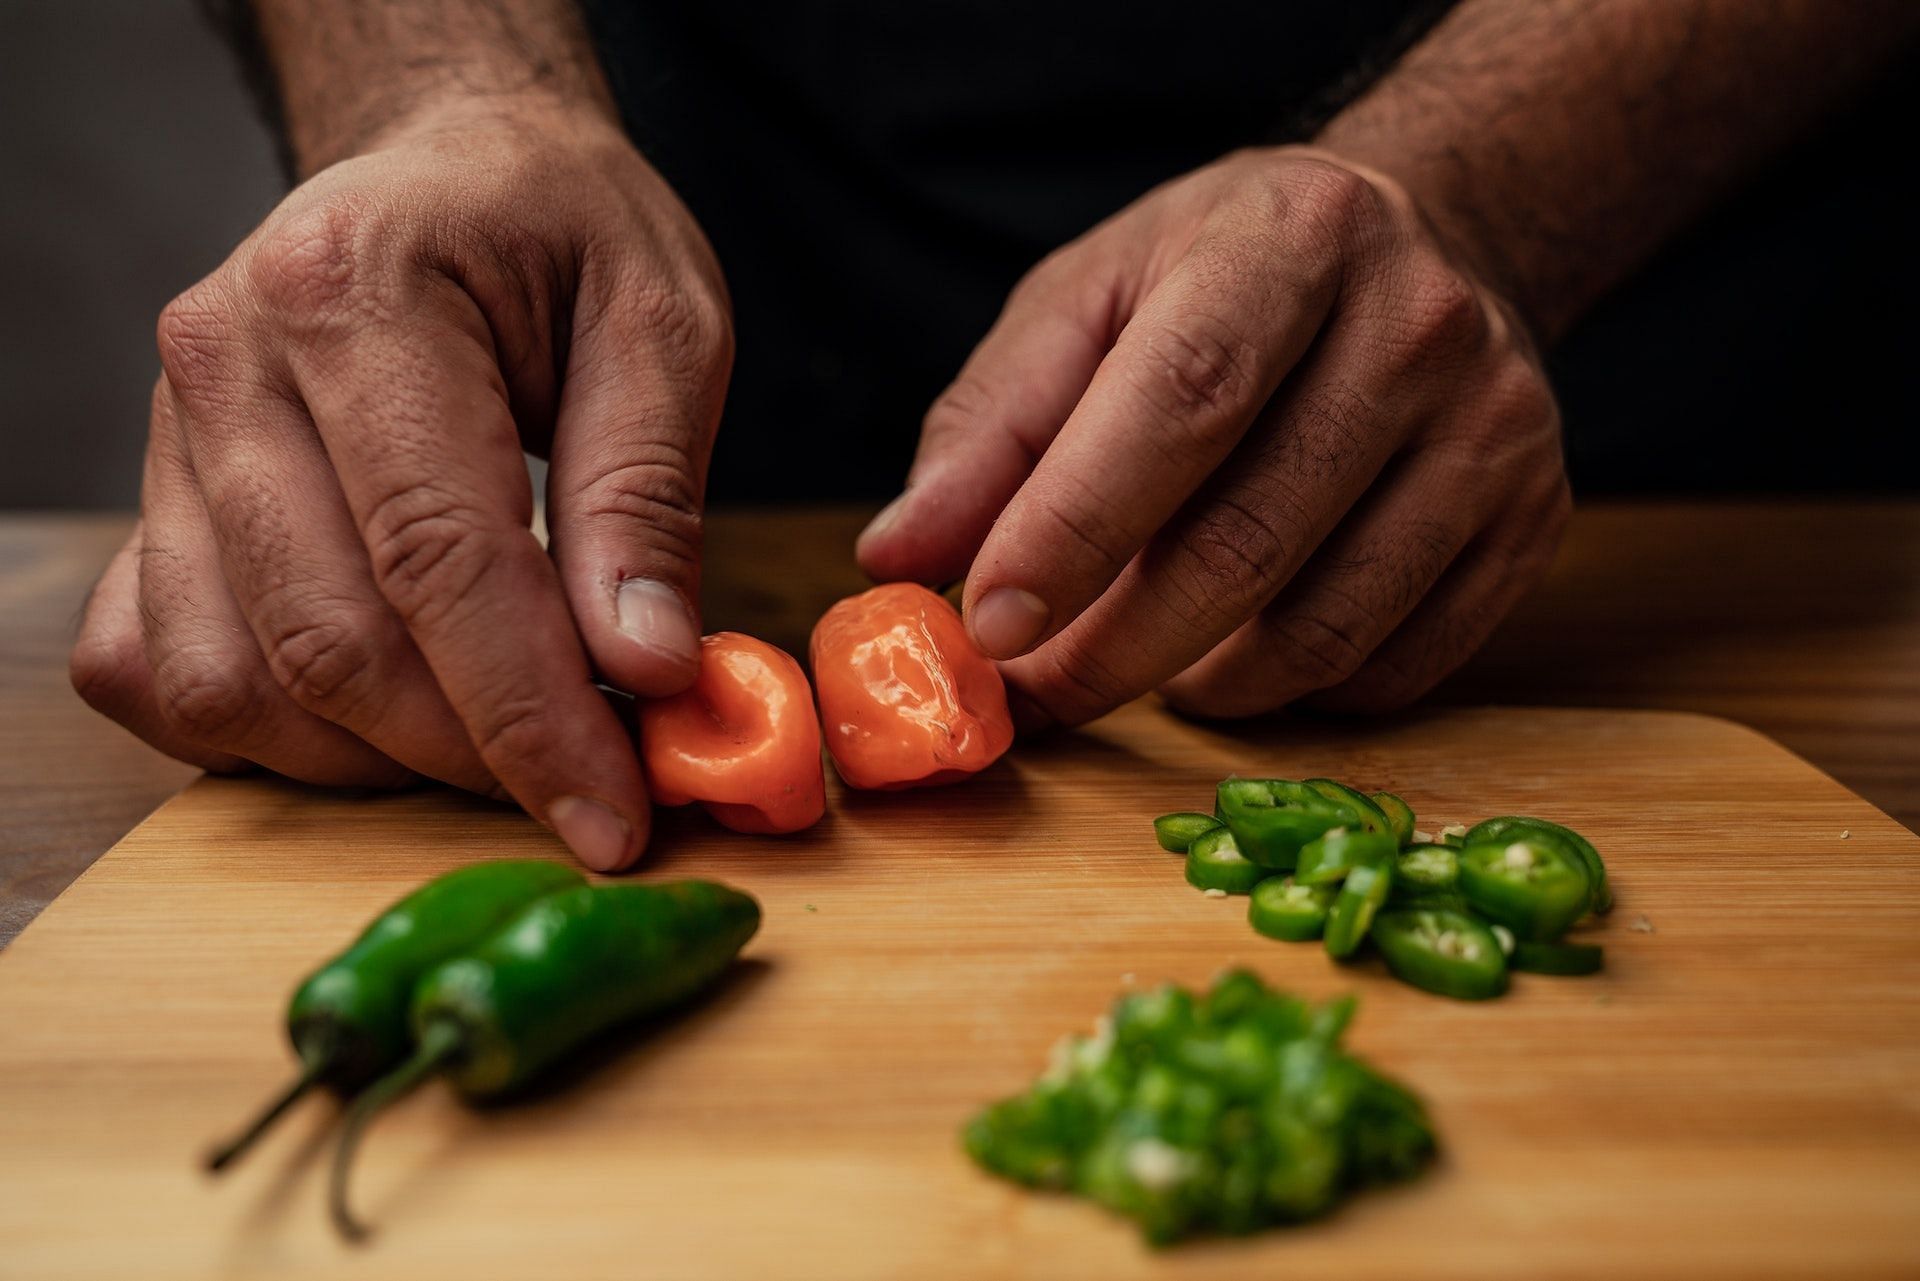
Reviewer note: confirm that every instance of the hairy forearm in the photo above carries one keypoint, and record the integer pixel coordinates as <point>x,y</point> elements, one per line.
<point>1558,142</point>
<point>344,71</point>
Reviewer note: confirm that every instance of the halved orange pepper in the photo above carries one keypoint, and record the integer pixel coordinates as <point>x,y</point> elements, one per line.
<point>743,740</point>
<point>905,698</point>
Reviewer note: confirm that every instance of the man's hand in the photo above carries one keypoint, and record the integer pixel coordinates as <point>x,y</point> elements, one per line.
<point>334,575</point>
<point>1262,435</point>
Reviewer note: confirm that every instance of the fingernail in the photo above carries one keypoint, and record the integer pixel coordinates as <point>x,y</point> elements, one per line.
<point>657,618</point>
<point>597,836</point>
<point>1007,621</point>
<point>881,525</point>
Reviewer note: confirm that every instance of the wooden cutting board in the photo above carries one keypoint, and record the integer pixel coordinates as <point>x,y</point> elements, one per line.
<point>1735,1097</point>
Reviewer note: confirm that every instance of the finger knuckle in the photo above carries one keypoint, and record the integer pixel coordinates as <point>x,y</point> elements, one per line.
<point>211,702</point>
<point>1317,650</point>
<point>428,550</point>
<point>689,327</point>
<point>312,261</point>
<point>1316,202</point>
<point>514,732</point>
<point>1074,685</point>
<point>1198,372</point>
<point>1443,315</point>
<point>194,337</point>
<point>323,666</point>
<point>656,492</point>
<point>967,406</point>
<point>103,669</point>
<point>1239,551</point>
<point>1085,520</point>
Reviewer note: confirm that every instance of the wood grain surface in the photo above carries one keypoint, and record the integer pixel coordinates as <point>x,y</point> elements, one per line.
<point>1732,1098</point>
<point>1798,617</point>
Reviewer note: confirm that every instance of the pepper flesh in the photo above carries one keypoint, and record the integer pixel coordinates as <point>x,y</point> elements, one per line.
<point>742,740</point>
<point>905,698</point>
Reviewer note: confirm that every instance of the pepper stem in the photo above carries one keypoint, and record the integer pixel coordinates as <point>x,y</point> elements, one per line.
<point>224,1155</point>
<point>440,1043</point>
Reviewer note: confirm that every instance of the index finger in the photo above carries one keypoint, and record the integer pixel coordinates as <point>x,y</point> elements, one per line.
<point>415,417</point>
<point>1179,389</point>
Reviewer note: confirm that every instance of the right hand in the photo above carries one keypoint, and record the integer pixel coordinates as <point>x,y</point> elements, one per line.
<point>333,576</point>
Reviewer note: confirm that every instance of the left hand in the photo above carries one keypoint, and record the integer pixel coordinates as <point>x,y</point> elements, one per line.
<point>1262,435</point>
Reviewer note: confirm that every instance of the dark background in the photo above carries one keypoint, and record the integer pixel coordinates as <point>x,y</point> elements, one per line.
<point>1771,349</point>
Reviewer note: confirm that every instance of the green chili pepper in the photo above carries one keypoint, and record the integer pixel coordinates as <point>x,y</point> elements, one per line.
<point>1361,895</point>
<point>1534,887</point>
<point>1272,818</point>
<point>1427,867</point>
<point>566,969</point>
<point>1450,953</point>
<point>1332,856</point>
<point>1214,862</point>
<point>348,1020</point>
<point>1372,817</point>
<point>1177,832</point>
<point>1568,959</point>
<point>1512,827</point>
<point>1218,1114</point>
<point>1284,909</point>
<point>1399,814</point>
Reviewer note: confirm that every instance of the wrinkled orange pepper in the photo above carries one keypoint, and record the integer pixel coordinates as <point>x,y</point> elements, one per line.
<point>905,698</point>
<point>743,740</point>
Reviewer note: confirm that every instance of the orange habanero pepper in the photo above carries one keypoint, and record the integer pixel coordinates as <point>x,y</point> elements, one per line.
<point>742,741</point>
<point>905,698</point>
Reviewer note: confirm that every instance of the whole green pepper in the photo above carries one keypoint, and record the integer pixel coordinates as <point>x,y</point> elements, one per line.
<point>348,1019</point>
<point>566,969</point>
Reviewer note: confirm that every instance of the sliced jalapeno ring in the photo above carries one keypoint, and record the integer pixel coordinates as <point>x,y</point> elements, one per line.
<point>1177,832</point>
<point>1534,887</point>
<point>1337,853</point>
<point>1428,867</point>
<point>1399,814</point>
<point>1214,862</point>
<point>1510,827</point>
<point>1282,908</point>
<point>1568,959</point>
<point>1372,817</point>
<point>1271,818</point>
<point>1361,895</point>
<point>1448,953</point>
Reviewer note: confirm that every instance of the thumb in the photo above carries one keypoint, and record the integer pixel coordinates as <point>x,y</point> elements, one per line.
<point>984,434</point>
<point>636,423</point>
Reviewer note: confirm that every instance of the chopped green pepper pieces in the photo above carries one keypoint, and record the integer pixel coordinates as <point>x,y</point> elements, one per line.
<point>1511,827</point>
<point>1361,895</point>
<point>1331,857</point>
<point>1372,817</point>
<point>1285,909</point>
<point>1534,887</point>
<point>1177,832</point>
<point>1271,818</point>
<point>1569,959</point>
<point>1428,867</point>
<point>1399,814</point>
<point>1214,862</point>
<point>1225,1113</point>
<point>1449,953</point>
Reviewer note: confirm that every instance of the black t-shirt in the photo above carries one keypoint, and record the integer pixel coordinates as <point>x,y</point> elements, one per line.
<point>875,175</point>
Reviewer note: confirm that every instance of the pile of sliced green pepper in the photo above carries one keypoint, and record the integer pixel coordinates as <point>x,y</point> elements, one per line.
<point>1223,1113</point>
<point>1452,914</point>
